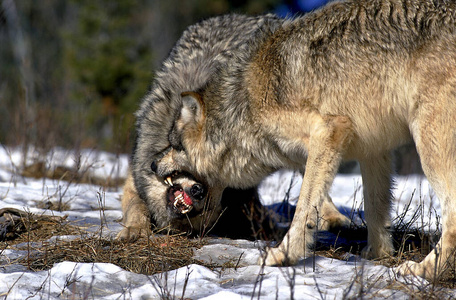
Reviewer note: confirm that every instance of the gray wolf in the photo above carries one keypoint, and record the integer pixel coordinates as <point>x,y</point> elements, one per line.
<point>252,221</point>
<point>353,80</point>
<point>185,202</point>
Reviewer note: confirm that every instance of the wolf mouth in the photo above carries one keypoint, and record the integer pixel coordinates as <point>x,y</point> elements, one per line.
<point>182,200</point>
<point>179,199</point>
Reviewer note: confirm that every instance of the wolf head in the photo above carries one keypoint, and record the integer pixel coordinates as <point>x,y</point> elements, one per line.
<point>159,165</point>
<point>183,204</point>
<point>216,142</point>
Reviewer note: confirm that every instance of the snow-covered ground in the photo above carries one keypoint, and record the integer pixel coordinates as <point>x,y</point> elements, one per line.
<point>313,278</point>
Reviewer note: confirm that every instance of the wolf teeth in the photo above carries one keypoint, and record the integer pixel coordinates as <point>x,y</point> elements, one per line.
<point>169,181</point>
<point>186,210</point>
<point>179,200</point>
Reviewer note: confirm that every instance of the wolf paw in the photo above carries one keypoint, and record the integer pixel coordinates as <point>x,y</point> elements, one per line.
<point>369,253</point>
<point>380,248</point>
<point>416,269</point>
<point>334,221</point>
<point>277,257</point>
<point>406,268</point>
<point>273,257</point>
<point>130,234</point>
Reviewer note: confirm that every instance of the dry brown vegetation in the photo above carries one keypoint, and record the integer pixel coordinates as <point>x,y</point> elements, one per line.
<point>36,234</point>
<point>146,256</point>
<point>160,252</point>
<point>39,169</point>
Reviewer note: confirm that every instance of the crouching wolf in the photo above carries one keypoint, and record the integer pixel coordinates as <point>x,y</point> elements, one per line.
<point>353,80</point>
<point>185,202</point>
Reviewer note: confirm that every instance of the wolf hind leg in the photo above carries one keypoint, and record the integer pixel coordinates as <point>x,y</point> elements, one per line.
<point>376,174</point>
<point>435,139</point>
<point>328,140</point>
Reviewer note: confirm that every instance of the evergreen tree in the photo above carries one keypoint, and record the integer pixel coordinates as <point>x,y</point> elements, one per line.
<point>111,64</point>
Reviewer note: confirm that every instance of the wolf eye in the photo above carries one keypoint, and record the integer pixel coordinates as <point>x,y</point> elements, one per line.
<point>153,166</point>
<point>157,157</point>
<point>178,146</point>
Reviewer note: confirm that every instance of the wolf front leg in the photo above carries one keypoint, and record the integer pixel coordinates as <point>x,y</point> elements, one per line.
<point>329,137</point>
<point>136,216</point>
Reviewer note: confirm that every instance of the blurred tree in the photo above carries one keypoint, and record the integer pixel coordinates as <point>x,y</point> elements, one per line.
<point>33,81</point>
<point>110,64</point>
<point>19,64</point>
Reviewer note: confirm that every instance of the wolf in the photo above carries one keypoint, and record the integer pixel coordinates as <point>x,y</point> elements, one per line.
<point>186,202</point>
<point>252,220</point>
<point>351,81</point>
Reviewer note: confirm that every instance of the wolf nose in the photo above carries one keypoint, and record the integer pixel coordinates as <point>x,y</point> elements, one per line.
<point>198,191</point>
<point>153,166</point>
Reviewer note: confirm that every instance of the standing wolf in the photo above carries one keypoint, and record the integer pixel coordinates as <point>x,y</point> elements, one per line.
<point>185,203</point>
<point>353,80</point>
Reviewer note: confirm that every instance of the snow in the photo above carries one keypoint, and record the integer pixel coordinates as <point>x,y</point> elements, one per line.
<point>313,278</point>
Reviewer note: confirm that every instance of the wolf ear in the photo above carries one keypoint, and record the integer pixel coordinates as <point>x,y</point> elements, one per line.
<point>192,108</point>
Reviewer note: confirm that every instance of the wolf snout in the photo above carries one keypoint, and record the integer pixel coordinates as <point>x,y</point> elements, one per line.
<point>185,196</point>
<point>198,191</point>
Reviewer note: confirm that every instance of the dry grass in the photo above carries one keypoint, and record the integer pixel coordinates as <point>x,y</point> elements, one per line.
<point>414,248</point>
<point>145,256</point>
<point>18,227</point>
<point>72,175</point>
<point>158,253</point>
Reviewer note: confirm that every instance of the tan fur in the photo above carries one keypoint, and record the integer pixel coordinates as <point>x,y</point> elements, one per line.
<point>351,81</point>
<point>136,216</point>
